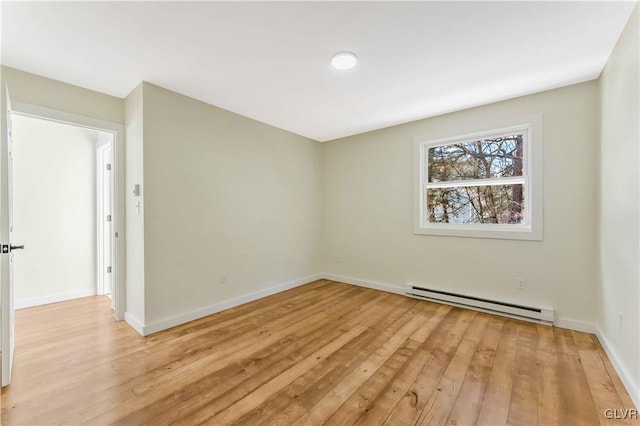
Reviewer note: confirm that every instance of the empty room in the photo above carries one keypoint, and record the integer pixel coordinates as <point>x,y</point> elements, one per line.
<point>320,213</point>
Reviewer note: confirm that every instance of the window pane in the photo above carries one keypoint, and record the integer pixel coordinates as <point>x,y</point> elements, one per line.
<point>480,159</point>
<point>503,204</point>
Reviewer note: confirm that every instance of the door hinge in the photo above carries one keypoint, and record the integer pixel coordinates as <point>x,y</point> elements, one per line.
<point>108,269</point>
<point>108,218</point>
<point>108,166</point>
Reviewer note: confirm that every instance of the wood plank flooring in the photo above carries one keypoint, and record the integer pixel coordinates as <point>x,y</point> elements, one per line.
<point>323,353</point>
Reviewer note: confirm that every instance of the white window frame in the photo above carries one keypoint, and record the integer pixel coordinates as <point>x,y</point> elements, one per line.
<point>532,179</point>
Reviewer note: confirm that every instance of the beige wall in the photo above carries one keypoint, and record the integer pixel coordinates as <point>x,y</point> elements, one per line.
<point>619,287</point>
<point>223,194</point>
<point>254,197</point>
<point>54,210</point>
<point>45,92</point>
<point>368,199</point>
<point>134,237</point>
<point>229,195</point>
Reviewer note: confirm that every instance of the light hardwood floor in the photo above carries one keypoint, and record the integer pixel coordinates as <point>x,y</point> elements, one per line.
<point>321,353</point>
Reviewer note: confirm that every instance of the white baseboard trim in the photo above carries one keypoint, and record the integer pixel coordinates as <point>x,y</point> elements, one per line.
<point>571,324</point>
<point>559,322</point>
<point>585,327</point>
<point>148,329</point>
<point>53,298</point>
<point>365,283</point>
<point>633,387</point>
<point>134,322</point>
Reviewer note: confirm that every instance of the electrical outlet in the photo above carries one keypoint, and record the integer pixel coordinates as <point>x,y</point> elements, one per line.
<point>223,278</point>
<point>521,283</point>
<point>338,259</point>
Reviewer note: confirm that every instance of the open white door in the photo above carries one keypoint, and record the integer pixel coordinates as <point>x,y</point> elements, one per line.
<point>105,216</point>
<point>107,194</point>
<point>6,248</point>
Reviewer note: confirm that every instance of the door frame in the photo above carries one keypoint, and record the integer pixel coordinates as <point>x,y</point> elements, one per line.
<point>100,218</point>
<point>8,312</point>
<point>118,236</point>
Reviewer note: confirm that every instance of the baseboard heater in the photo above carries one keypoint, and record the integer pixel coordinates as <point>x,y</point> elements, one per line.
<point>539,315</point>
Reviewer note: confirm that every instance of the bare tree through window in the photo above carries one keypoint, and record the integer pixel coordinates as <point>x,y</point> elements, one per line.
<point>466,181</point>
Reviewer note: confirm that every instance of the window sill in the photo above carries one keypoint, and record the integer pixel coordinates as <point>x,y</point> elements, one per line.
<point>502,232</point>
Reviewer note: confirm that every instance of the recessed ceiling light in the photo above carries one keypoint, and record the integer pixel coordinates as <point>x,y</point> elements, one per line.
<point>344,60</point>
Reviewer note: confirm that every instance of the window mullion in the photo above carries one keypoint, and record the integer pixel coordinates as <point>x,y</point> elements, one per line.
<point>516,180</point>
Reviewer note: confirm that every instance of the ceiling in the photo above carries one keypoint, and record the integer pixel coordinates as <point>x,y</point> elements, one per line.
<point>270,60</point>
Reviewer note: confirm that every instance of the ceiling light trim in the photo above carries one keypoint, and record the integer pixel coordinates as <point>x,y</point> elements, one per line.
<point>344,60</point>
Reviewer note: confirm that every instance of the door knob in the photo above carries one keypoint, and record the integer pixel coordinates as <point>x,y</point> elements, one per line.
<point>7,248</point>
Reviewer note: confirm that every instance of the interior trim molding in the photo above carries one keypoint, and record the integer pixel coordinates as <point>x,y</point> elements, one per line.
<point>54,298</point>
<point>571,324</point>
<point>568,323</point>
<point>147,329</point>
<point>366,283</point>
<point>633,387</point>
<point>586,327</point>
<point>134,322</point>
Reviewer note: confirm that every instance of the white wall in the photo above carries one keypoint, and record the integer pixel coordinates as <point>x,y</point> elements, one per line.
<point>368,210</point>
<point>54,205</point>
<point>223,194</point>
<point>619,286</point>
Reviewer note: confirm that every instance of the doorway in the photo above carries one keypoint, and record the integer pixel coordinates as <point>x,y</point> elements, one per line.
<point>53,250</point>
<point>56,206</point>
<point>62,201</point>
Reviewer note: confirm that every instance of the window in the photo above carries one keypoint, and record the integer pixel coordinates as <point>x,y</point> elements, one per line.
<point>486,184</point>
